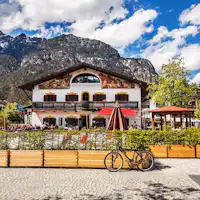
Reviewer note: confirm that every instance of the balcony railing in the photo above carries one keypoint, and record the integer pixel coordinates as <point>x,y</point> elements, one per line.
<point>87,105</point>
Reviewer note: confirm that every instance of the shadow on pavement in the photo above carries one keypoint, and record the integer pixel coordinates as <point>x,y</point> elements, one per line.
<point>151,191</point>
<point>160,166</point>
<point>148,191</point>
<point>159,191</point>
<point>195,178</point>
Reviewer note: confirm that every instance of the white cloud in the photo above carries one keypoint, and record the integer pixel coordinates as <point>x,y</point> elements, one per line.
<point>191,15</point>
<point>162,32</point>
<point>168,44</point>
<point>85,16</point>
<point>127,31</point>
<point>196,79</point>
<point>34,13</point>
<point>191,55</point>
<point>118,34</point>
<point>6,9</point>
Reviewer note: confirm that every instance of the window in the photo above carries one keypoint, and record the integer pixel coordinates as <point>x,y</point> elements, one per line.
<point>99,97</point>
<point>49,97</point>
<point>86,78</point>
<point>99,122</point>
<point>121,97</point>
<point>49,121</point>
<point>71,98</point>
<point>71,122</point>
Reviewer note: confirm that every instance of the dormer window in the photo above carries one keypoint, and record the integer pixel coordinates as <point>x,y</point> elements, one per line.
<point>50,97</point>
<point>86,78</point>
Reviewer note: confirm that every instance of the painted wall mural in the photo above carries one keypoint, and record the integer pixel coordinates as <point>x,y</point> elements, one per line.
<point>114,82</point>
<point>108,81</point>
<point>57,83</point>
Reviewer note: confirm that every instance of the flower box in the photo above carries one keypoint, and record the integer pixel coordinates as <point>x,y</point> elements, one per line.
<point>181,151</point>
<point>26,158</point>
<point>60,158</point>
<point>3,158</point>
<point>91,159</point>
<point>159,151</point>
<point>198,151</point>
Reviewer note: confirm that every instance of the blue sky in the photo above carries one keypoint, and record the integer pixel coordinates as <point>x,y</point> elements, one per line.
<point>157,30</point>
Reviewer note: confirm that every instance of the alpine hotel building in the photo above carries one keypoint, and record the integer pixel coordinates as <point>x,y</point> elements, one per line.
<point>83,96</point>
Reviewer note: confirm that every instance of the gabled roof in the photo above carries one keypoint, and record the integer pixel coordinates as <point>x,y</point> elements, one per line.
<point>30,85</point>
<point>168,109</point>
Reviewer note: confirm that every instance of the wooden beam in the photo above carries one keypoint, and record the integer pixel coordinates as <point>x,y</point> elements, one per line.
<point>190,121</point>
<point>161,124</point>
<point>165,122</point>
<point>174,124</point>
<point>186,122</point>
<point>181,121</point>
<point>153,121</point>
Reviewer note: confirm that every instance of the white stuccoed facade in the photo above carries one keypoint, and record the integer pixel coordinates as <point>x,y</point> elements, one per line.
<point>78,88</point>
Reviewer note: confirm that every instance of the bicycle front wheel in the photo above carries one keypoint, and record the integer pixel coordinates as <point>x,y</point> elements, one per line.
<point>113,161</point>
<point>145,160</point>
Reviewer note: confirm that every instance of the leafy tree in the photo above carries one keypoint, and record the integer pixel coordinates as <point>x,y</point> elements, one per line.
<point>15,117</point>
<point>6,111</point>
<point>197,110</point>
<point>172,86</point>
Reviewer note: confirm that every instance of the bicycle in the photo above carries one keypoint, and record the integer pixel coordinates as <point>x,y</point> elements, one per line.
<point>143,160</point>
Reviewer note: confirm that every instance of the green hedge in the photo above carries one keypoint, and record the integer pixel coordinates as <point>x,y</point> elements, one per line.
<point>97,139</point>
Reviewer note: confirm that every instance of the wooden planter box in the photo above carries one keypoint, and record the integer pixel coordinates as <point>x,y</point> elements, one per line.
<point>91,159</point>
<point>159,151</point>
<point>3,158</point>
<point>60,158</point>
<point>26,158</point>
<point>181,151</point>
<point>198,151</point>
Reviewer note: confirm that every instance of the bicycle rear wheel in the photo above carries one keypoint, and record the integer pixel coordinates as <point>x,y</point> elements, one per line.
<point>113,161</point>
<point>145,160</point>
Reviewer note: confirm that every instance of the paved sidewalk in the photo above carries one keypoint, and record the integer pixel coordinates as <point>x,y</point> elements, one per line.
<point>169,181</point>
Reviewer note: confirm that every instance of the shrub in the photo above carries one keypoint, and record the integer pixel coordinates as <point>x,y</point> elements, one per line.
<point>99,139</point>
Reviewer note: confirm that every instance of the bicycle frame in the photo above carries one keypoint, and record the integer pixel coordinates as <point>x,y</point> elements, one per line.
<point>129,159</point>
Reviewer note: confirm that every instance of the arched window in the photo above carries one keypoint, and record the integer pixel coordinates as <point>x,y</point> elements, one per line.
<point>86,78</point>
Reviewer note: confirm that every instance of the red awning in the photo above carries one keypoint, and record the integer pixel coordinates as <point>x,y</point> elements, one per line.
<point>125,111</point>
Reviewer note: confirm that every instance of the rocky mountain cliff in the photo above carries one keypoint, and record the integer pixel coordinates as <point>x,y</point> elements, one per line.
<point>24,59</point>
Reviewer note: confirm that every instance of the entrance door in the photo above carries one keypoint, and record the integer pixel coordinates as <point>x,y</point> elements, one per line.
<point>85,99</point>
<point>85,96</point>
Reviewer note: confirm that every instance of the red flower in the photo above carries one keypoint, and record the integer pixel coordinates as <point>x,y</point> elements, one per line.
<point>109,136</point>
<point>84,139</point>
<point>68,137</point>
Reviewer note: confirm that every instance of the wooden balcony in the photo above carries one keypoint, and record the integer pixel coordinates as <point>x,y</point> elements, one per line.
<point>87,105</point>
